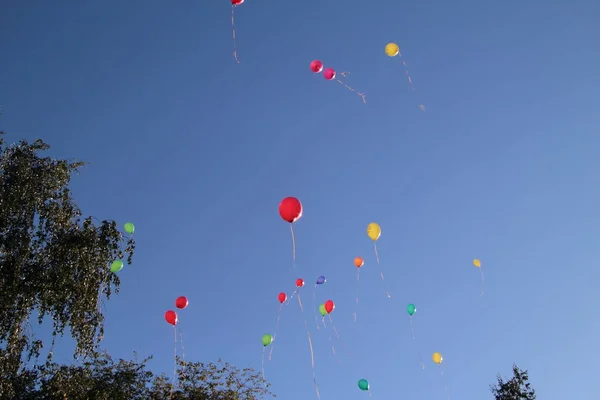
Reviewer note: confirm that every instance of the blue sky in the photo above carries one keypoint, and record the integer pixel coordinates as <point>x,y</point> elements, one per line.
<point>198,151</point>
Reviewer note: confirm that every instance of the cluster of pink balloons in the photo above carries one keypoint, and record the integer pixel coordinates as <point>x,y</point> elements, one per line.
<point>171,316</point>
<point>317,66</point>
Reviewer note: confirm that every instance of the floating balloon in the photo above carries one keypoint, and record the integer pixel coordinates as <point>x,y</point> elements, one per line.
<point>321,280</point>
<point>316,66</point>
<point>322,310</point>
<point>359,262</point>
<point>181,302</point>
<point>267,339</point>
<point>299,282</point>
<point>329,306</point>
<point>290,209</point>
<point>437,358</point>
<point>171,317</point>
<point>411,309</point>
<point>116,266</point>
<point>329,74</point>
<point>363,384</point>
<point>374,231</point>
<point>282,297</point>
<point>392,49</point>
<point>129,228</point>
<point>477,263</point>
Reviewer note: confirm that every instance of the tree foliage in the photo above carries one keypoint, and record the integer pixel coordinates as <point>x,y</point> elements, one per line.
<point>516,388</point>
<point>101,378</point>
<point>51,260</point>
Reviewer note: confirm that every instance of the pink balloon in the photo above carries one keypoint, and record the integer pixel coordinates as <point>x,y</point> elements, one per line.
<point>316,66</point>
<point>329,74</point>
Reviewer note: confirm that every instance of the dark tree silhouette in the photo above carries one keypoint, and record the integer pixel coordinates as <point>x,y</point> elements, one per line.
<point>101,378</point>
<point>51,261</point>
<point>516,388</point>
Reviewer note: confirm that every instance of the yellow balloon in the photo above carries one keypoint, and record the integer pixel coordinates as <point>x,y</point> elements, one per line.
<point>392,49</point>
<point>374,231</point>
<point>437,358</point>
<point>477,263</point>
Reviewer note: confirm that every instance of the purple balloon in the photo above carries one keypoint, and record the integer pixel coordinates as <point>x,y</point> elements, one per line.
<point>321,280</point>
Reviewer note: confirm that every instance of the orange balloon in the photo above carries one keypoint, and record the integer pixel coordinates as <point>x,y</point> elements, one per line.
<point>359,262</point>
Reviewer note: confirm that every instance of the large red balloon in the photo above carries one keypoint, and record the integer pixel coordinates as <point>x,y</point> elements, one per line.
<point>329,306</point>
<point>316,66</point>
<point>237,2</point>
<point>181,302</point>
<point>290,209</point>
<point>171,317</point>
<point>299,282</point>
<point>282,297</point>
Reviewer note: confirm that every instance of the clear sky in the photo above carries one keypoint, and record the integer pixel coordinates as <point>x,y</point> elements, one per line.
<point>198,151</point>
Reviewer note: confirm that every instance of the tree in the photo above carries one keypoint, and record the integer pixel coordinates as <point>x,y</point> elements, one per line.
<point>516,388</point>
<point>101,378</point>
<point>51,261</point>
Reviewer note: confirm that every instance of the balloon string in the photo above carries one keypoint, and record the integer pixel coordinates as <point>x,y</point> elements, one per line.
<point>181,341</point>
<point>361,95</point>
<point>312,357</point>
<point>482,280</point>
<point>357,291</point>
<point>263,364</point>
<point>315,305</point>
<point>300,303</point>
<point>293,245</point>
<point>292,296</point>
<point>275,334</point>
<point>387,293</point>
<point>310,346</point>
<point>312,354</point>
<point>412,328</point>
<point>338,335</point>
<point>174,362</point>
<point>445,383</point>
<point>233,33</point>
<point>409,79</point>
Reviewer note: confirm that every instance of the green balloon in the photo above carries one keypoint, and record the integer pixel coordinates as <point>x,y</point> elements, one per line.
<point>267,339</point>
<point>411,309</point>
<point>129,228</point>
<point>322,310</point>
<point>116,266</point>
<point>363,384</point>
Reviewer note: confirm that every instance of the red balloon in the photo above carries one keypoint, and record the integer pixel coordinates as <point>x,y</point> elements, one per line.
<point>299,282</point>
<point>290,209</point>
<point>181,302</point>
<point>282,297</point>
<point>237,2</point>
<point>171,317</point>
<point>329,306</point>
<point>316,66</point>
<point>329,74</point>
